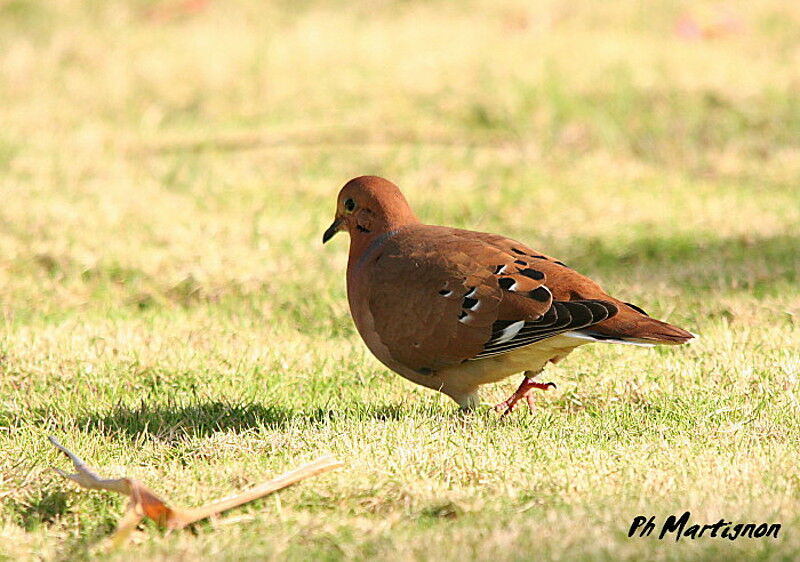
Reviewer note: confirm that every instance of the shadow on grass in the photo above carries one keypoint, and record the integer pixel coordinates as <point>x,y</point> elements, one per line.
<point>169,421</point>
<point>43,509</point>
<point>47,508</point>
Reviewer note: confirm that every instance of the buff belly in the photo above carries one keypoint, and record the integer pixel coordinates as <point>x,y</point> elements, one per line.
<point>461,382</point>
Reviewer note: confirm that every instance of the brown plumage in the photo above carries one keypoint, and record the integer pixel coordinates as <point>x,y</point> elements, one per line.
<point>454,309</point>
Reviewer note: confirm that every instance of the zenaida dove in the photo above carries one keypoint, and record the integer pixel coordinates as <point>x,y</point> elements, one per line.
<point>454,309</point>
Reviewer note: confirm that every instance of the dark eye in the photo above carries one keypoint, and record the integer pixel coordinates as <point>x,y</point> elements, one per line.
<point>349,205</point>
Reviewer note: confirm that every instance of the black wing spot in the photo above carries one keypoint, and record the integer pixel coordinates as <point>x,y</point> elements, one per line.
<point>561,263</point>
<point>362,228</point>
<point>498,269</point>
<point>637,309</point>
<point>506,283</point>
<point>445,293</point>
<point>425,371</point>
<point>518,251</point>
<point>540,294</point>
<point>532,273</point>
<point>520,262</point>
<point>469,303</point>
<point>462,315</point>
<point>560,317</point>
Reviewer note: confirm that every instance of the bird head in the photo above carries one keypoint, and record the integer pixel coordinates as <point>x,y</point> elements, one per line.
<point>367,207</point>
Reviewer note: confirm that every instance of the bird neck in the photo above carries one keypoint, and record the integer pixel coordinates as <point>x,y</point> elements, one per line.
<point>366,240</point>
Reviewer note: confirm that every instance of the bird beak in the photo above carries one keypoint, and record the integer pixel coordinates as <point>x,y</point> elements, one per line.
<point>335,227</point>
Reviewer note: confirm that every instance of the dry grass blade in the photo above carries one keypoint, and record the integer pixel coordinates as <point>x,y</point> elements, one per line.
<point>145,503</point>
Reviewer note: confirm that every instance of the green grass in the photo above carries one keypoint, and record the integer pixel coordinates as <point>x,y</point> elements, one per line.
<point>168,312</point>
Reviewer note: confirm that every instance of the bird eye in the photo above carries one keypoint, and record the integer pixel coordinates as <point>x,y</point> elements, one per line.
<point>349,205</point>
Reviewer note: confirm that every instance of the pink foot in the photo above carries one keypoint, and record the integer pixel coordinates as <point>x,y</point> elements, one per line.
<point>524,391</point>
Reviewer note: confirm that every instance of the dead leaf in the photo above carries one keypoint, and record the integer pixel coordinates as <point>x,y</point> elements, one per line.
<point>145,503</point>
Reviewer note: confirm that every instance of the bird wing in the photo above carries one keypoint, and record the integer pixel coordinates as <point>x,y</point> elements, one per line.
<point>626,322</point>
<point>440,296</point>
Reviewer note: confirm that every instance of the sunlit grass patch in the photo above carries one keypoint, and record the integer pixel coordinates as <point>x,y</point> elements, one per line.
<point>167,309</point>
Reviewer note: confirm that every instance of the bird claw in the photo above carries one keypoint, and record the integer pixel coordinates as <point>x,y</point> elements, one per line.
<point>524,391</point>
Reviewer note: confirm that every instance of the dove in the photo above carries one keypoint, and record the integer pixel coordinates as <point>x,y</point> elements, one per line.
<point>453,309</point>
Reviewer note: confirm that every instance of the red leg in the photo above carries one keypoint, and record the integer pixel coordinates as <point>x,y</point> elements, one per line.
<point>524,391</point>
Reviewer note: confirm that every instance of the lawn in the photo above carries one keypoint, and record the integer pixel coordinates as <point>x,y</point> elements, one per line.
<point>168,311</point>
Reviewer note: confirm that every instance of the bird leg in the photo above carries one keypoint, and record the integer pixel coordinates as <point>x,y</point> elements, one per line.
<point>525,390</point>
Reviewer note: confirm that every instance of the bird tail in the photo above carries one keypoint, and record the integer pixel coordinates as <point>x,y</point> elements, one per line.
<point>632,325</point>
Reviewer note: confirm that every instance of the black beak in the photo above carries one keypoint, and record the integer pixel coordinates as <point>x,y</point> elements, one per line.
<point>333,229</point>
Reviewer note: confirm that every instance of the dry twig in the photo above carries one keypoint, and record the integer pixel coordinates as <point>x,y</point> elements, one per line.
<point>145,503</point>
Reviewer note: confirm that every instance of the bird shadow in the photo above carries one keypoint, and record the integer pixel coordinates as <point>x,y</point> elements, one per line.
<point>170,421</point>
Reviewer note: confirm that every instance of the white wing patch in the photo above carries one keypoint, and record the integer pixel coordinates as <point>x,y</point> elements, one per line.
<point>604,339</point>
<point>509,332</point>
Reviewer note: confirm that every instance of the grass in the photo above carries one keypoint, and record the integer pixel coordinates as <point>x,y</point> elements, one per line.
<point>166,172</point>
